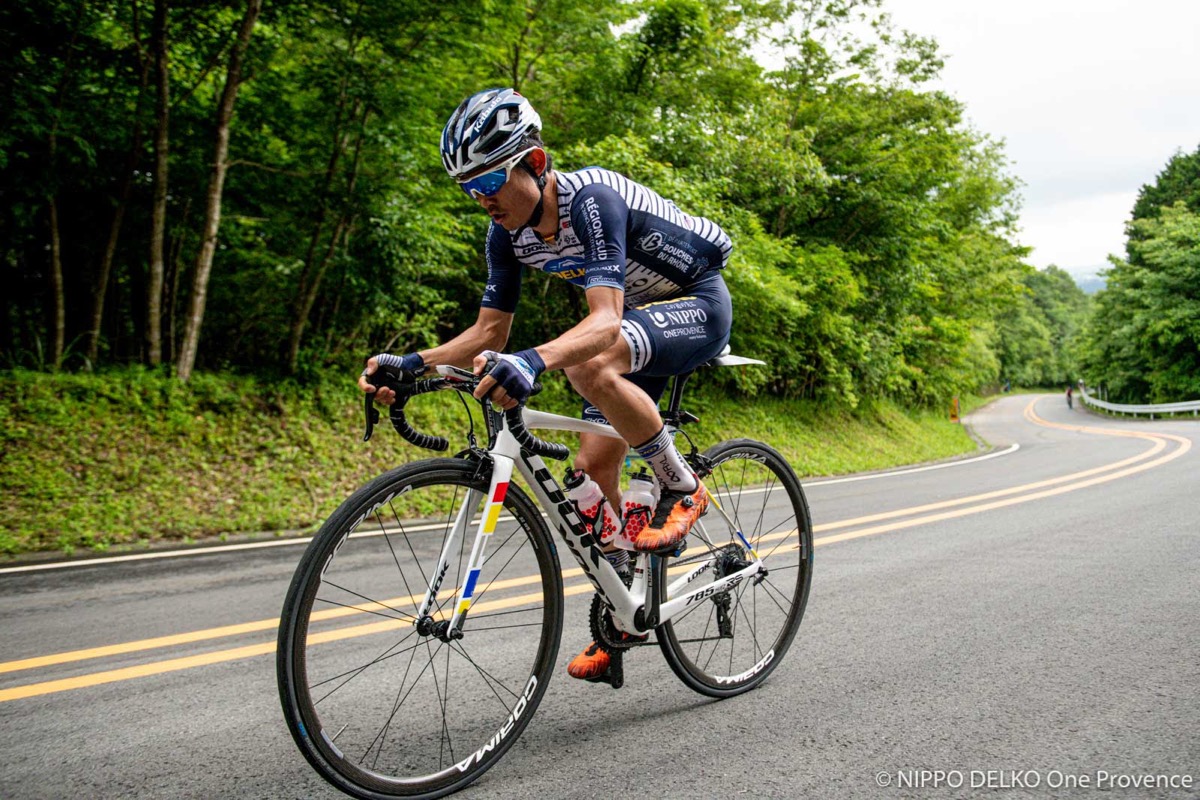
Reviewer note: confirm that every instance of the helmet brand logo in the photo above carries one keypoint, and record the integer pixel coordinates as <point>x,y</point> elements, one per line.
<point>486,114</point>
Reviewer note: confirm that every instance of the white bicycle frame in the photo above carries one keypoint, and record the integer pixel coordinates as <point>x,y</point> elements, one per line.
<point>635,609</point>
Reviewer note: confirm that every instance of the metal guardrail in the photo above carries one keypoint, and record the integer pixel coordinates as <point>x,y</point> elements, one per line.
<point>1159,409</point>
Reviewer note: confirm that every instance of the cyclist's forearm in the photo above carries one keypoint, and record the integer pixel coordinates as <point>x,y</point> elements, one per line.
<point>460,350</point>
<point>594,334</point>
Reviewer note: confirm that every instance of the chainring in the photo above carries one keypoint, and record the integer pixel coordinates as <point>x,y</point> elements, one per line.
<point>605,633</point>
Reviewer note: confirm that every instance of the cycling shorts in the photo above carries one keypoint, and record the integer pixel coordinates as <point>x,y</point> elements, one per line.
<point>673,336</point>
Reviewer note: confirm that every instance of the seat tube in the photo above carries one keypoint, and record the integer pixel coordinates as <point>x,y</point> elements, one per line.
<point>502,468</point>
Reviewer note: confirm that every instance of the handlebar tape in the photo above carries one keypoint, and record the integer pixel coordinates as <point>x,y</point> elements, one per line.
<point>516,424</point>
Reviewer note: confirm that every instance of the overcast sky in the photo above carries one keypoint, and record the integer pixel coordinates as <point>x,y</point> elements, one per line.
<point>1092,97</point>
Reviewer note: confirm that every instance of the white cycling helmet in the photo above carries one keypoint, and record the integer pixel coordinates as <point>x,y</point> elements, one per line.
<point>487,128</point>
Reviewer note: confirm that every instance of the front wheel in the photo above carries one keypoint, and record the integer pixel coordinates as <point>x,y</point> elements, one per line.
<point>730,642</point>
<point>381,709</point>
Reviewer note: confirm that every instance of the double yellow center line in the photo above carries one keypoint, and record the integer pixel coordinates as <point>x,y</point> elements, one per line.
<point>876,524</point>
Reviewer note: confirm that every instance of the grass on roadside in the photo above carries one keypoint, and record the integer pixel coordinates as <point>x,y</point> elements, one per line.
<point>127,458</point>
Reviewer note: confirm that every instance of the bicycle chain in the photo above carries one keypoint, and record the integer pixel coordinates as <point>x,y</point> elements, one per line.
<point>606,633</point>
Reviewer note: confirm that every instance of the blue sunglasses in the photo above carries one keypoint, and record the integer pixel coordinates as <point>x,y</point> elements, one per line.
<point>487,184</point>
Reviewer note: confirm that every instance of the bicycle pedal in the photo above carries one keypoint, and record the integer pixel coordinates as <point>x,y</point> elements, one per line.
<point>614,675</point>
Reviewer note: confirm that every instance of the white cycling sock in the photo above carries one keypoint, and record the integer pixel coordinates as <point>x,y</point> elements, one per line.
<point>669,467</point>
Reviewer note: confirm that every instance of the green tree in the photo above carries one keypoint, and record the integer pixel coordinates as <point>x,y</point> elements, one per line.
<point>1140,340</point>
<point>1179,181</point>
<point>1039,336</point>
<point>214,195</point>
<point>1145,333</point>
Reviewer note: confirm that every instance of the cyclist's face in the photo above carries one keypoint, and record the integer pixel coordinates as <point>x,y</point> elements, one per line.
<point>513,205</point>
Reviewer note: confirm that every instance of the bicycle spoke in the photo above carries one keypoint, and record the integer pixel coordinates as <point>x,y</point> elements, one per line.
<point>395,703</point>
<point>719,639</point>
<point>753,630</point>
<point>496,577</point>
<point>444,737</point>
<point>487,614</point>
<point>506,627</point>
<point>707,623</point>
<point>489,680</point>
<point>687,613</point>
<point>496,551</point>
<point>404,617</point>
<point>386,538</point>
<point>762,512</point>
<point>733,641</point>
<point>741,488</point>
<point>781,543</point>
<point>354,673</point>
<point>767,582</point>
<point>446,694</point>
<point>396,708</point>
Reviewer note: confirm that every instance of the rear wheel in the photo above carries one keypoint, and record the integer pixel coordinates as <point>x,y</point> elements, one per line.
<point>729,643</point>
<point>377,707</point>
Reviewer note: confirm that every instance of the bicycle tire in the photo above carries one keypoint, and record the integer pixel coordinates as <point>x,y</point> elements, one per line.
<point>759,491</point>
<point>348,647</point>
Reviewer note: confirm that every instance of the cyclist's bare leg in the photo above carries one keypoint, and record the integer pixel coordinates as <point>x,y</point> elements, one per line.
<point>601,458</point>
<point>626,406</point>
<point>630,410</point>
<point>635,416</point>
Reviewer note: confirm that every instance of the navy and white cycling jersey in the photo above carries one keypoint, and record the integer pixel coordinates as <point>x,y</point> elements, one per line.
<point>611,232</point>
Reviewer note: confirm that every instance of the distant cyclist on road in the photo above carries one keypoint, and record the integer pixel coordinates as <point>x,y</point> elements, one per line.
<point>651,274</point>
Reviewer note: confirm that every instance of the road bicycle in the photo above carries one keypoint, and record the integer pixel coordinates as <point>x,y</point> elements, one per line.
<point>422,625</point>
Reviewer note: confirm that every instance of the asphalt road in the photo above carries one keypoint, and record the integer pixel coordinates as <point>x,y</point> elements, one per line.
<point>1029,618</point>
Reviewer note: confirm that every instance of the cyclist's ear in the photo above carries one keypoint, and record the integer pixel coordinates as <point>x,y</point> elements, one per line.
<point>537,160</point>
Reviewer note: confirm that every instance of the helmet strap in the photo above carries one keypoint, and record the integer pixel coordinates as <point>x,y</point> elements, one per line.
<point>536,217</point>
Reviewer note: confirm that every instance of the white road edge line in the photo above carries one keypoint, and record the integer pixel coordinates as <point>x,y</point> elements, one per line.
<point>1010,449</point>
<point>229,548</point>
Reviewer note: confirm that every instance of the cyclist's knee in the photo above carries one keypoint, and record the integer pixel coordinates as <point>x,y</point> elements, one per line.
<point>594,373</point>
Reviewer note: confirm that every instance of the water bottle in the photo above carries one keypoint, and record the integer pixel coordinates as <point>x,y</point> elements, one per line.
<point>590,501</point>
<point>638,502</point>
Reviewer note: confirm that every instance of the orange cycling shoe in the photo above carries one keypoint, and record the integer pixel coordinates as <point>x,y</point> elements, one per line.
<point>591,663</point>
<point>677,512</point>
<point>594,661</point>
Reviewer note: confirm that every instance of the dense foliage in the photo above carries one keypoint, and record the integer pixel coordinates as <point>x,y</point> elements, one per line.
<point>1039,336</point>
<point>1143,340</point>
<point>263,178</point>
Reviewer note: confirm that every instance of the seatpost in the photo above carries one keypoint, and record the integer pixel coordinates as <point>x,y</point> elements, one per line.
<point>673,415</point>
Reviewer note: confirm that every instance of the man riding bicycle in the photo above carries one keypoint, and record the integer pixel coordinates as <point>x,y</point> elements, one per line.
<point>657,305</point>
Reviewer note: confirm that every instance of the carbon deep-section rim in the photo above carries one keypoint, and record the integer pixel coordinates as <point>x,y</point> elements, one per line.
<point>729,643</point>
<point>381,709</point>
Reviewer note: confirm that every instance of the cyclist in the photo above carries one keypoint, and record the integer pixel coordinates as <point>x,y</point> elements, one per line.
<point>657,304</point>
